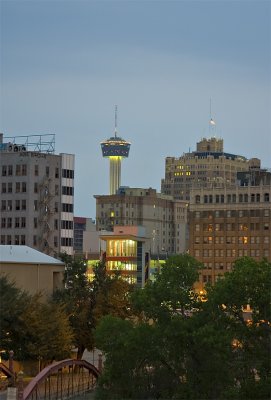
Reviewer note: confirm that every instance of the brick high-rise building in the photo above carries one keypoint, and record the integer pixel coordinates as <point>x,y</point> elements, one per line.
<point>231,222</point>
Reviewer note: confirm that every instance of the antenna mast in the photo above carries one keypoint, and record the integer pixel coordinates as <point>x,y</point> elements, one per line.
<point>211,121</point>
<point>116,120</point>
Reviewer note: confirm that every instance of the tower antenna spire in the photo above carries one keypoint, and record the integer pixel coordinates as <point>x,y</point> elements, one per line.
<point>116,120</point>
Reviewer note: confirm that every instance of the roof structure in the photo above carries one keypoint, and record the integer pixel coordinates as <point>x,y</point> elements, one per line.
<point>24,254</point>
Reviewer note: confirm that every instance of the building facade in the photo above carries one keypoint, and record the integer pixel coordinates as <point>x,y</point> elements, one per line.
<point>164,219</point>
<point>86,238</point>
<point>37,194</point>
<point>208,166</point>
<point>126,254</point>
<point>31,270</point>
<point>229,223</point>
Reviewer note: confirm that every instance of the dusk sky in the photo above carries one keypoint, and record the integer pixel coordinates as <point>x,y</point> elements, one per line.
<point>66,64</point>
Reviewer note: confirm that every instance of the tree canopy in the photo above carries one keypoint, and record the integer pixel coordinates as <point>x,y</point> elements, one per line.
<point>87,301</point>
<point>214,352</point>
<point>33,329</point>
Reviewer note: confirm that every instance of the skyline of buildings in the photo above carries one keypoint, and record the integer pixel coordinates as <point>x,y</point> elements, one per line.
<point>207,206</point>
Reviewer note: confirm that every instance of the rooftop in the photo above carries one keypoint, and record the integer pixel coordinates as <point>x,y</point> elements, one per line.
<point>25,254</point>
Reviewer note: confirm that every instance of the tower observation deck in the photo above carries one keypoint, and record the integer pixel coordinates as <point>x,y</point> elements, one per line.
<point>115,148</point>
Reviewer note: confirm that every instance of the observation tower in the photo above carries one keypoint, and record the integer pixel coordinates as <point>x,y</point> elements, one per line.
<point>115,148</point>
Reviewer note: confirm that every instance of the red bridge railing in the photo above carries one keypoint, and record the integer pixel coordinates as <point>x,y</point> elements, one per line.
<point>62,380</point>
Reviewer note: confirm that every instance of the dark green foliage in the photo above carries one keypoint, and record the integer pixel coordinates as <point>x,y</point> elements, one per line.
<point>86,302</point>
<point>212,354</point>
<point>31,328</point>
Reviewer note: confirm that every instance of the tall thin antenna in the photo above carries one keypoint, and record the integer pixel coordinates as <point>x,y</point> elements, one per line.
<point>116,120</point>
<point>211,121</point>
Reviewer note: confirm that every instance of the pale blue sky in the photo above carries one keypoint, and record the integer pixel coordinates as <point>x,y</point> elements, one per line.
<point>65,64</point>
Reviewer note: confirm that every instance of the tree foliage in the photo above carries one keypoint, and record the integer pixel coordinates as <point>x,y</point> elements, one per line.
<point>86,302</point>
<point>212,354</point>
<point>31,328</point>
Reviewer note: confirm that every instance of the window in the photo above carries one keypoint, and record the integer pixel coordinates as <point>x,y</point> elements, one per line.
<point>66,224</point>
<point>66,242</point>
<point>57,173</point>
<point>266,226</point>
<point>35,223</point>
<point>34,240</point>
<point>9,187</point>
<point>10,170</point>
<point>67,207</point>
<point>36,170</point>
<point>68,173</point>
<point>22,240</point>
<point>9,208</point>
<point>4,170</point>
<point>18,170</point>
<point>3,239</point>
<point>3,222</point>
<point>23,187</point>
<point>24,170</point>
<point>55,241</point>
<point>47,171</point>
<point>17,222</point>
<point>17,187</point>
<point>8,239</point>
<point>4,187</point>
<point>266,197</point>
<point>23,204</point>
<point>56,190</point>
<point>35,187</point>
<point>17,205</point>
<point>35,205</point>
<point>3,205</point>
<point>197,227</point>
<point>23,222</point>
<point>197,198</point>
<point>9,225</point>
<point>67,190</point>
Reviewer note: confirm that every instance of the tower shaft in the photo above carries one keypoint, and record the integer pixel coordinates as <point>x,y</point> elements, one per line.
<point>115,173</point>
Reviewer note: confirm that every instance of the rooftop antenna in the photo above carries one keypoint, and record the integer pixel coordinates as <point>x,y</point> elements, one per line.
<point>116,120</point>
<point>211,120</point>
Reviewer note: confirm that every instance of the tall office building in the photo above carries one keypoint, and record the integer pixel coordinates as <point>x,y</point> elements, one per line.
<point>164,219</point>
<point>37,194</point>
<point>209,166</point>
<point>115,148</point>
<point>231,222</point>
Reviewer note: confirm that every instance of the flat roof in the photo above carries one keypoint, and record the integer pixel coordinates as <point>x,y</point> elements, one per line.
<point>123,237</point>
<point>25,254</point>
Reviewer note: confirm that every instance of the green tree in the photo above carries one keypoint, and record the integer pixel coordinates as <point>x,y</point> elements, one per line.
<point>77,298</point>
<point>47,333</point>
<point>86,302</point>
<point>172,291</point>
<point>31,328</point>
<point>13,302</point>
<point>146,358</point>
<point>213,354</point>
<point>248,284</point>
